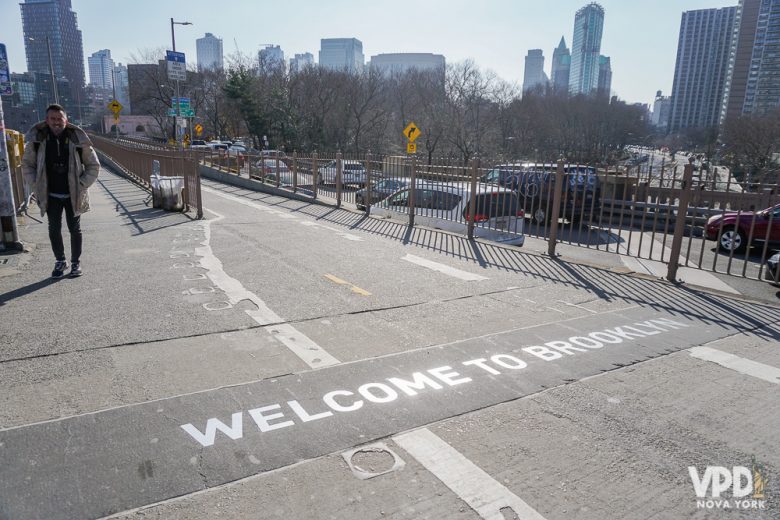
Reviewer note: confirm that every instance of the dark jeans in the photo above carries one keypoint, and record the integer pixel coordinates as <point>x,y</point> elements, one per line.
<point>54,212</point>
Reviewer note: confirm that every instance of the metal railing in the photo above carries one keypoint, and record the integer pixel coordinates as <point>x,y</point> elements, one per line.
<point>658,212</point>
<point>138,163</point>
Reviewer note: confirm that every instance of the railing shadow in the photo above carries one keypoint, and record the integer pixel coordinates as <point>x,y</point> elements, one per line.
<point>130,204</point>
<point>602,283</point>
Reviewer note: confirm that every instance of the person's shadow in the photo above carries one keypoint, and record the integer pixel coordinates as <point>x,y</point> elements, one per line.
<point>21,291</point>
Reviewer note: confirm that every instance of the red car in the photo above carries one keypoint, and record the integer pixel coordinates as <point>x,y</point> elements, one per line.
<point>732,229</point>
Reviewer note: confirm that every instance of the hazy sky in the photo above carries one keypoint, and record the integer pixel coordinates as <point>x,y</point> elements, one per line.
<point>639,35</point>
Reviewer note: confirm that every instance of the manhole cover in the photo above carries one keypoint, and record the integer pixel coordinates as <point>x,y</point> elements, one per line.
<point>371,461</point>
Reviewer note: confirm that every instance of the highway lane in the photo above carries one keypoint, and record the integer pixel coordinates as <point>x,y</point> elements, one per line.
<point>516,362</point>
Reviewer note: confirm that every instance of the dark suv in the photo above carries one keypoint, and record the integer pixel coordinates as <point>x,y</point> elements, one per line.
<point>581,196</point>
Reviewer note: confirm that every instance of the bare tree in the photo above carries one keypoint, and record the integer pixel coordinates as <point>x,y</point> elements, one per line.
<point>749,144</point>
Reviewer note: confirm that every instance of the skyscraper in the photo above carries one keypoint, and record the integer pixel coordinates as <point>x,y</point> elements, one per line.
<point>344,54</point>
<point>56,20</point>
<point>605,76</point>
<point>561,66</point>
<point>209,52</point>
<point>586,48</point>
<point>661,108</point>
<point>301,61</point>
<point>740,59</point>
<point>101,69</point>
<point>700,74</point>
<point>122,83</point>
<point>762,93</point>
<point>271,57</point>
<point>403,61</point>
<point>534,75</point>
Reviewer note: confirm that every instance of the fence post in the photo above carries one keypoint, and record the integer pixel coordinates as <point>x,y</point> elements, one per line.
<point>196,166</point>
<point>278,175</point>
<point>472,200</point>
<point>314,173</point>
<point>556,208</point>
<point>295,171</point>
<point>339,170</point>
<point>412,191</point>
<point>679,224</point>
<point>367,200</point>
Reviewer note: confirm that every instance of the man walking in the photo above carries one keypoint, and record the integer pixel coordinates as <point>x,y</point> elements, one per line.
<point>60,164</point>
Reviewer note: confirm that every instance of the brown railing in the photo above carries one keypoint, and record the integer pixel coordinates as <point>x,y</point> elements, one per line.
<point>138,163</point>
<point>657,212</point>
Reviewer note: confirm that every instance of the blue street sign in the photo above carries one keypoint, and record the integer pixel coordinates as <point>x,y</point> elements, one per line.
<point>5,73</point>
<point>177,57</point>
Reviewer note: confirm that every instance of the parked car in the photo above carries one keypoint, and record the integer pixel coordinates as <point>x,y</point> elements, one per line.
<point>270,170</point>
<point>381,190</point>
<point>534,183</point>
<point>273,154</point>
<point>498,215</point>
<point>771,272</point>
<point>197,144</point>
<point>732,229</point>
<point>353,173</point>
<point>217,145</point>
<point>237,150</point>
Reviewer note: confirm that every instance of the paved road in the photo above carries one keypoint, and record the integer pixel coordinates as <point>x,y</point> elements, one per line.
<point>287,360</point>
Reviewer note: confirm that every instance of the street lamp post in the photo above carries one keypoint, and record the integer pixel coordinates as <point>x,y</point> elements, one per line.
<point>178,101</point>
<point>51,70</point>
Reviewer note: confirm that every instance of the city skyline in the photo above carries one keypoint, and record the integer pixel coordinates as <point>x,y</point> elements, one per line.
<point>643,58</point>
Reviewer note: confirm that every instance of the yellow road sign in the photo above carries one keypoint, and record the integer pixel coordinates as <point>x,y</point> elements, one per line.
<point>115,106</point>
<point>199,129</point>
<point>411,148</point>
<point>411,132</point>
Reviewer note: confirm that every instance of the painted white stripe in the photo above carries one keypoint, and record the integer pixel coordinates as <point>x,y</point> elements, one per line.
<point>300,345</point>
<point>741,365</point>
<point>444,269</point>
<point>478,489</point>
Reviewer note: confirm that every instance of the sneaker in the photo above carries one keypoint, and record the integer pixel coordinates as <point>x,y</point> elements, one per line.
<point>75,270</point>
<point>59,269</point>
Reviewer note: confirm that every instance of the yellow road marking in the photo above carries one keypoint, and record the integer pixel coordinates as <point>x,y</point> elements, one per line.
<point>355,289</point>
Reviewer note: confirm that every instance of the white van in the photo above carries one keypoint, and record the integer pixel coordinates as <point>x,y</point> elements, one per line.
<point>498,216</point>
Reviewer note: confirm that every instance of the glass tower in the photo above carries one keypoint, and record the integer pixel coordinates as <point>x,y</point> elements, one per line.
<point>561,67</point>
<point>101,69</point>
<point>56,20</point>
<point>342,54</point>
<point>586,48</point>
